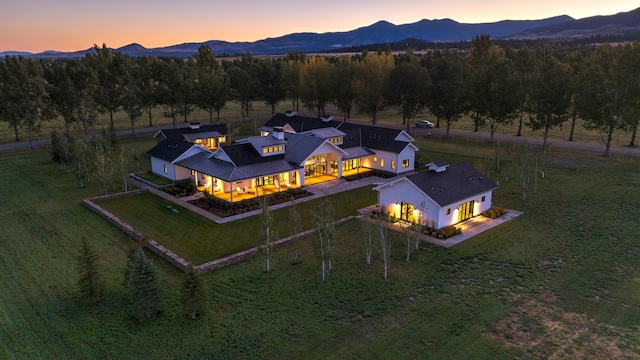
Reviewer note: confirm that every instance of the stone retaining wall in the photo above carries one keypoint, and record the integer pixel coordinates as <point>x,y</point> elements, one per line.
<point>151,244</point>
<point>171,257</point>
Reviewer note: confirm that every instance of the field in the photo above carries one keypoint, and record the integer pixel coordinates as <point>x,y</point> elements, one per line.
<point>560,281</point>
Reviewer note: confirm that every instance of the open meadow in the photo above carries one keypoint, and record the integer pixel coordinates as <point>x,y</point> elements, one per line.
<point>562,280</point>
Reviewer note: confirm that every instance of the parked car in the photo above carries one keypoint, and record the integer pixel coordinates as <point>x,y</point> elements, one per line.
<point>424,124</point>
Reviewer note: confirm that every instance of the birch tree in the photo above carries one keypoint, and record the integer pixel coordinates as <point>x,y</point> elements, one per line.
<point>367,230</point>
<point>266,220</point>
<point>382,236</point>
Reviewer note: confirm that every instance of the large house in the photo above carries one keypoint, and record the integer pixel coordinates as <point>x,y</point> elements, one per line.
<point>442,196</point>
<point>292,151</point>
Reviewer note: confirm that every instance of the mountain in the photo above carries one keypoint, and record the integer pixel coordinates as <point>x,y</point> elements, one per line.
<point>439,30</point>
<point>618,24</point>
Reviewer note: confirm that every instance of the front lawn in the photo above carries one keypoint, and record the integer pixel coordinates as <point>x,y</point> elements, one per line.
<point>199,240</point>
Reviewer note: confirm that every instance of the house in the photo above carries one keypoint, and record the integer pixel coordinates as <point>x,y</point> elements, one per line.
<point>442,196</point>
<point>208,136</point>
<point>291,151</point>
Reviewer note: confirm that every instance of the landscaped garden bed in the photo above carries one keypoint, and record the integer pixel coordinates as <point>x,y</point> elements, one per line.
<point>181,188</point>
<point>442,233</point>
<point>494,213</point>
<point>224,208</point>
<point>362,175</point>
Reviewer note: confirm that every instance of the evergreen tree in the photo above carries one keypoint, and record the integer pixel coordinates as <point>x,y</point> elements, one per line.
<point>90,283</point>
<point>195,299</point>
<point>144,285</point>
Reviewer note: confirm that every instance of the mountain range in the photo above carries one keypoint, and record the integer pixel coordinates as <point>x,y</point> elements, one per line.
<point>443,30</point>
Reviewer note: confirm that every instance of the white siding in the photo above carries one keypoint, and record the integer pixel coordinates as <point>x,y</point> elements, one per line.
<point>407,153</point>
<point>157,167</point>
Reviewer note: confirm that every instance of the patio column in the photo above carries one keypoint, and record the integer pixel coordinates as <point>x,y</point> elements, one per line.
<point>231,191</point>
<point>339,168</point>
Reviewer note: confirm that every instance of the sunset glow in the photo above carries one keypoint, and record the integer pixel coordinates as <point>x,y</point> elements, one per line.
<point>71,25</point>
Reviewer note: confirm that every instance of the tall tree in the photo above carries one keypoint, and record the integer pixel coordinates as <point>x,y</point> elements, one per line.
<point>168,75</point>
<point>293,62</point>
<point>148,84</point>
<point>523,62</point>
<point>24,95</point>
<point>407,88</point>
<point>243,89</point>
<point>143,283</point>
<point>187,87</point>
<point>447,92</point>
<point>342,78</point>
<point>269,74</point>
<point>212,83</point>
<point>606,97</point>
<point>266,236</point>
<point>132,97</point>
<point>109,68</point>
<point>195,301</point>
<point>325,234</point>
<point>315,84</point>
<point>90,282</point>
<point>371,76</point>
<point>550,95</point>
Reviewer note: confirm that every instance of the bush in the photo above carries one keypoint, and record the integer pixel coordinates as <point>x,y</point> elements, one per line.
<point>181,188</point>
<point>494,213</point>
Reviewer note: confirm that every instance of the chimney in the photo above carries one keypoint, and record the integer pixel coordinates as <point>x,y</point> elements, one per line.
<point>278,132</point>
<point>290,113</point>
<point>194,125</point>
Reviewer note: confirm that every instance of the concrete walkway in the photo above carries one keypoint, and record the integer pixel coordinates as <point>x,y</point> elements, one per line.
<point>470,227</point>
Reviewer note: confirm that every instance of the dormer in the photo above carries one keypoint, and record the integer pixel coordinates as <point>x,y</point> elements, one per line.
<point>290,113</point>
<point>438,166</point>
<point>327,118</point>
<point>194,125</point>
<point>330,134</point>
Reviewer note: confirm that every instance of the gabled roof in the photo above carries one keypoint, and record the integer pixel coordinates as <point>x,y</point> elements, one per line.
<point>300,147</point>
<point>170,149</point>
<point>246,154</point>
<point>298,123</point>
<point>202,132</point>
<point>458,182</point>
<point>373,137</point>
<point>325,133</point>
<point>228,172</point>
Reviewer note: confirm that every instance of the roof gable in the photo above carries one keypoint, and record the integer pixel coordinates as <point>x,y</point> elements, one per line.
<point>190,133</point>
<point>458,182</point>
<point>171,149</point>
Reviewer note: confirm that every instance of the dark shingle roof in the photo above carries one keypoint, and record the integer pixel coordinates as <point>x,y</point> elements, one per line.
<point>460,181</point>
<point>245,154</point>
<point>170,149</point>
<point>180,132</point>
<point>300,123</point>
<point>373,137</point>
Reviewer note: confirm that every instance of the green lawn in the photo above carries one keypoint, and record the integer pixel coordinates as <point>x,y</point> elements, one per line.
<point>560,281</point>
<point>199,240</point>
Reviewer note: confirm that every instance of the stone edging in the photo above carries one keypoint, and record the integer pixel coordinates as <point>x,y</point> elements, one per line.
<point>173,258</point>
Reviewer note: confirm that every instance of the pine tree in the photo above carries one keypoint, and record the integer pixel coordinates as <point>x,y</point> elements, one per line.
<point>144,284</point>
<point>195,300</point>
<point>90,283</point>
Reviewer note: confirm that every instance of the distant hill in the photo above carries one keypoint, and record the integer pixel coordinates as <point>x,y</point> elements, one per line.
<point>442,30</point>
<point>618,24</point>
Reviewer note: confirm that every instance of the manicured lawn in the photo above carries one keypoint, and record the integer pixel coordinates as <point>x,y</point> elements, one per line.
<point>199,240</point>
<point>559,281</point>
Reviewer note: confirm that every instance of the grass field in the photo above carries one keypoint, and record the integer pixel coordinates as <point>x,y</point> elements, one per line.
<point>561,281</point>
<point>199,240</point>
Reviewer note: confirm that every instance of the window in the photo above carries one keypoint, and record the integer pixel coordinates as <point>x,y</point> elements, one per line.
<point>381,162</point>
<point>483,198</point>
<point>193,172</point>
<point>165,169</point>
<point>448,211</point>
<point>375,159</point>
<point>405,163</point>
<point>393,164</point>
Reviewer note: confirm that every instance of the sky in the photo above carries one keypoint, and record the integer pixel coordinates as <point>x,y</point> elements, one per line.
<point>71,25</point>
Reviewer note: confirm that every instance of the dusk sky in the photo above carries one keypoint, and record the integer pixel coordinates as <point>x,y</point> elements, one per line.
<point>70,25</point>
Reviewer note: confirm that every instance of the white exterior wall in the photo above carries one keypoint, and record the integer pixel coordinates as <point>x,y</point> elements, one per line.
<point>407,153</point>
<point>478,208</point>
<point>405,191</point>
<point>181,172</point>
<point>157,167</point>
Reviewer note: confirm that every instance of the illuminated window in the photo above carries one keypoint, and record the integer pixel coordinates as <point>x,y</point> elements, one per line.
<point>165,169</point>
<point>393,164</point>
<point>375,159</point>
<point>448,211</point>
<point>193,172</point>
<point>381,162</point>
<point>405,163</point>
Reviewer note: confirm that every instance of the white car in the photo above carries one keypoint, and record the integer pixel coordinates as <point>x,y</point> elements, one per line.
<point>424,124</point>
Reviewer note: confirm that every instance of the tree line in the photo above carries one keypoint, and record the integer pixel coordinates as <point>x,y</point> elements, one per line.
<point>539,88</point>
